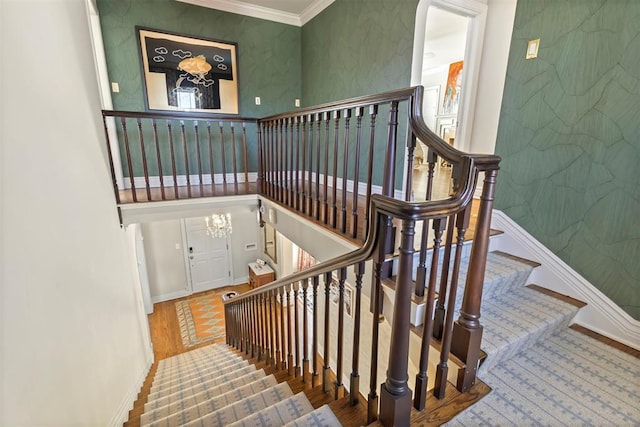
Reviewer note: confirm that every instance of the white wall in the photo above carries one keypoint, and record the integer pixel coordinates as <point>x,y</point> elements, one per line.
<point>73,348</point>
<point>165,261</point>
<point>493,72</point>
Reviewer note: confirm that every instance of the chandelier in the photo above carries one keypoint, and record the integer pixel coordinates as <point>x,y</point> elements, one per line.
<point>219,225</point>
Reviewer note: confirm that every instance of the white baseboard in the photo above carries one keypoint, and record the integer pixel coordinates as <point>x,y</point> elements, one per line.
<point>154,181</point>
<point>601,314</point>
<point>122,415</point>
<point>170,296</point>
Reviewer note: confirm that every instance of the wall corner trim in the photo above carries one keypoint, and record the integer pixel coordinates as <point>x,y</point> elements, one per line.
<point>601,314</point>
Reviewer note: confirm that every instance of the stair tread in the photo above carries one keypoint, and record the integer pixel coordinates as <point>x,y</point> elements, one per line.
<point>323,416</point>
<point>205,370</point>
<point>210,377</point>
<point>250,374</point>
<point>278,414</point>
<point>210,403</point>
<point>241,409</point>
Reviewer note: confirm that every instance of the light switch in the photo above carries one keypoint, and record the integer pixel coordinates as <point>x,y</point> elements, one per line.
<point>532,49</point>
<point>297,102</point>
<point>115,87</point>
<point>257,100</point>
<point>177,245</point>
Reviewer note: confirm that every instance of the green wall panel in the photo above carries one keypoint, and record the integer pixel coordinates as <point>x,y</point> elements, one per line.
<point>569,136</point>
<point>269,53</point>
<point>357,47</point>
<point>360,47</point>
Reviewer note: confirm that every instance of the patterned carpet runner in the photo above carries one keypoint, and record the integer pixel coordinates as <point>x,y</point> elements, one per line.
<point>201,319</point>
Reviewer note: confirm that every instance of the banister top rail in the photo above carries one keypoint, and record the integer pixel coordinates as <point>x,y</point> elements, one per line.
<point>381,205</point>
<point>177,115</point>
<point>360,101</point>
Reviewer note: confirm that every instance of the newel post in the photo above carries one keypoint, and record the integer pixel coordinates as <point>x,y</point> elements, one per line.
<point>395,395</point>
<point>467,330</point>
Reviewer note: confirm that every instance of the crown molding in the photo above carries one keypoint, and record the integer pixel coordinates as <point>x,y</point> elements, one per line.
<point>314,9</point>
<point>247,9</point>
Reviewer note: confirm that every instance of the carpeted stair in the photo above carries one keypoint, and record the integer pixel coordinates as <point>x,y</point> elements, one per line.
<point>542,372</point>
<point>214,386</point>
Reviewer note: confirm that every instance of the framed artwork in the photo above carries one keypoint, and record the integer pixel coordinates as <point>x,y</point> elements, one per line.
<point>452,90</point>
<point>187,73</point>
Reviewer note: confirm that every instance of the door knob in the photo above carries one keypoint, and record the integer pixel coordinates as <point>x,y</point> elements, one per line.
<point>191,257</point>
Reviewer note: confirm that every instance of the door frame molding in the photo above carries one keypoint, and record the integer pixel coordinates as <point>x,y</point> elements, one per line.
<point>476,11</point>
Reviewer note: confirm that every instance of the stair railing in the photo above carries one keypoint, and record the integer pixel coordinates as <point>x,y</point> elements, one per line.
<point>252,320</point>
<point>170,156</point>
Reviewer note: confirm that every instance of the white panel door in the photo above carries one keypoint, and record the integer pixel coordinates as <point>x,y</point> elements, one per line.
<point>208,257</point>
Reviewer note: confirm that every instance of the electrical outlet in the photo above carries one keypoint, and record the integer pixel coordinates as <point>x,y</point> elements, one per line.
<point>297,102</point>
<point>115,87</point>
<point>177,245</point>
<point>257,100</point>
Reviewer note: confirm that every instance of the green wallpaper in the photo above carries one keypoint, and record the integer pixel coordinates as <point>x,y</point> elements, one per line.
<point>269,53</point>
<point>360,47</point>
<point>357,47</point>
<point>569,136</point>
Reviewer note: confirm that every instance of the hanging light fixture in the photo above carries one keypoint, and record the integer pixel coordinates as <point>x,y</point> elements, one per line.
<point>218,225</point>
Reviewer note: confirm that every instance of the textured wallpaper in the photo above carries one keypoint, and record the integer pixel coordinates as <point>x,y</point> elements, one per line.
<point>360,47</point>
<point>569,136</point>
<point>269,53</point>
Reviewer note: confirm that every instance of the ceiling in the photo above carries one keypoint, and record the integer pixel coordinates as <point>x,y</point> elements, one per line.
<point>292,12</point>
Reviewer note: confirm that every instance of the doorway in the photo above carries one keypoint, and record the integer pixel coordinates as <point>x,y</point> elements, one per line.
<point>208,258</point>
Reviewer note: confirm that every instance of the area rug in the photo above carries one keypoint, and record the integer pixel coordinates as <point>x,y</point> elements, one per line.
<point>201,319</point>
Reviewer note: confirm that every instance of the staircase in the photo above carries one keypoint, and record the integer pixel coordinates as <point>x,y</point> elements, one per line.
<point>216,386</point>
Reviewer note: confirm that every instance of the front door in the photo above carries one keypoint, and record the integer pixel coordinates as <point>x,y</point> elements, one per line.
<point>209,260</point>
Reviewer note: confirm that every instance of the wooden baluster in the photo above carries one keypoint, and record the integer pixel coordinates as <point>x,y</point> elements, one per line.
<point>145,167</point>
<point>411,146</point>
<point>291,194</point>
<point>296,330</point>
<point>339,387</point>
<point>356,173</point>
<point>158,158</point>
<point>210,149</point>
<point>420,397</point>
<point>241,345</point>
<point>123,121</point>
<point>252,327</point>
<point>310,171</point>
<point>354,385</point>
<point>271,328</point>
<point>256,308</point>
<point>263,329</point>
<point>334,190</point>
<point>112,169</point>
<point>421,272</point>
<point>462,222</point>
<point>300,169</point>
<point>289,337</point>
<point>174,173</point>
<point>345,170</point>
<point>260,185</point>
<point>315,377</point>
<point>197,136</point>
<point>389,177</point>
<point>223,157</point>
<point>278,355</point>
<point>395,395</point>
<point>305,334</point>
<point>285,161</point>
<point>227,324</point>
<point>372,398</point>
<point>269,143</point>
<point>246,327</point>
<point>235,158</point>
<point>245,160</point>
<point>432,158</point>
<point>183,135</point>
<point>325,199</point>
<point>326,369</point>
<point>318,144</point>
<point>373,113</point>
<point>438,316</point>
<point>467,331</point>
<point>281,149</point>
<point>283,362</point>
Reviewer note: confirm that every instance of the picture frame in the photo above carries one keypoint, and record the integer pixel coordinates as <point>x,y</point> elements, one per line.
<point>184,73</point>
